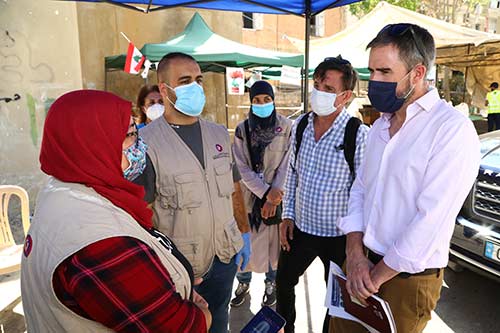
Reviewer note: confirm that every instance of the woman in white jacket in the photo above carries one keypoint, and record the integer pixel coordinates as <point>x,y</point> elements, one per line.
<point>261,150</point>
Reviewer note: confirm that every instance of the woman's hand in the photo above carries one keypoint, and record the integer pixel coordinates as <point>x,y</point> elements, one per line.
<point>268,210</point>
<point>275,196</point>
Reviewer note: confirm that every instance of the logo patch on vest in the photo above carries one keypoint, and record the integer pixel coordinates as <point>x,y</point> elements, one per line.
<point>219,148</point>
<point>28,245</point>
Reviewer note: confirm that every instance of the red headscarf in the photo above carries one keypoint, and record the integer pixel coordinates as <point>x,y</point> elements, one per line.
<point>82,143</point>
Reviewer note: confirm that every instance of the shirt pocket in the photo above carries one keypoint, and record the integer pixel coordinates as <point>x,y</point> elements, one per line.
<point>224,179</point>
<point>189,190</point>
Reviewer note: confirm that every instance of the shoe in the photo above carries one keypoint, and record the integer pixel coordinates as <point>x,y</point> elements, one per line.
<point>269,298</point>
<point>240,294</point>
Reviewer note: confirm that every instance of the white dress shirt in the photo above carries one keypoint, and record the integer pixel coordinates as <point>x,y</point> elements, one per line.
<point>410,188</point>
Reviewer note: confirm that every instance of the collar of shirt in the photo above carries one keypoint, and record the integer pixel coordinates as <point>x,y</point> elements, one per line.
<point>341,120</point>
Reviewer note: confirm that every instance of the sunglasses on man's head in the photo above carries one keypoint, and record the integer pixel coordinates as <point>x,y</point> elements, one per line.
<point>338,60</point>
<point>400,29</point>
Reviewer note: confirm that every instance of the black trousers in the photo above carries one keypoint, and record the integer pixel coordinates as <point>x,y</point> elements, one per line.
<point>493,121</point>
<point>291,265</point>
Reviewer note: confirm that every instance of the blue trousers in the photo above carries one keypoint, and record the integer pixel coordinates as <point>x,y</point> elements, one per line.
<point>216,290</point>
<point>246,277</point>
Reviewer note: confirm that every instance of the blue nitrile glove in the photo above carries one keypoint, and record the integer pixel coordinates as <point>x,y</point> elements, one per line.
<point>245,252</point>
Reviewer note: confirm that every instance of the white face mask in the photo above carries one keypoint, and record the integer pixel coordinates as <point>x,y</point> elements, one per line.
<point>322,102</point>
<point>155,111</point>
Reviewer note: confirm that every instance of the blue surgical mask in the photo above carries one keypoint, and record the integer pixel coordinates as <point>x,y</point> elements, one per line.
<point>263,110</point>
<point>136,156</point>
<point>190,99</point>
<point>383,95</point>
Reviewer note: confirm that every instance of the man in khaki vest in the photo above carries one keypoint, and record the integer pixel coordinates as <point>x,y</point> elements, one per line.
<point>196,185</point>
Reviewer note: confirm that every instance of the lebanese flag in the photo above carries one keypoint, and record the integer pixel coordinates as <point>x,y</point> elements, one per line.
<point>134,61</point>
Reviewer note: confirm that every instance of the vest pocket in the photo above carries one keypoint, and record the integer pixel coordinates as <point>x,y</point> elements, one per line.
<point>189,189</point>
<point>232,240</point>
<point>167,197</point>
<point>278,144</point>
<point>191,249</point>
<point>224,179</point>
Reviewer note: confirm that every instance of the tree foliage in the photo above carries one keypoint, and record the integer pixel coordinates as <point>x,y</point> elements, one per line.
<point>442,9</point>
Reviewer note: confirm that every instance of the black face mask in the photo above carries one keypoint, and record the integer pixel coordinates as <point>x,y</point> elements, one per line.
<point>383,95</point>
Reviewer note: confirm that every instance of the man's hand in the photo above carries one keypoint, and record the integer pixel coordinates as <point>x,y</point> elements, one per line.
<point>359,283</point>
<point>286,233</point>
<point>274,196</point>
<point>268,210</point>
<point>202,304</point>
<point>245,252</point>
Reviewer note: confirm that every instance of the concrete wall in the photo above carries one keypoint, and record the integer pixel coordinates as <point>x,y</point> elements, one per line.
<point>39,60</point>
<point>271,36</point>
<point>99,33</point>
<point>51,47</point>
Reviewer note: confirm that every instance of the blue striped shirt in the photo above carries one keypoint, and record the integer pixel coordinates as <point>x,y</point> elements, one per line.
<point>317,188</point>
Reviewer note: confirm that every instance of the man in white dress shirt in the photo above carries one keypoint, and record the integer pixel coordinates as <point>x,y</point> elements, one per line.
<point>421,159</point>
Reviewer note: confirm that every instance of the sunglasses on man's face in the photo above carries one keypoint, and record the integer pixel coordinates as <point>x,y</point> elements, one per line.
<point>400,29</point>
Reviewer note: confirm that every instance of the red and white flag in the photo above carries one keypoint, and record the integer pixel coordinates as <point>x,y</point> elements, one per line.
<point>134,61</point>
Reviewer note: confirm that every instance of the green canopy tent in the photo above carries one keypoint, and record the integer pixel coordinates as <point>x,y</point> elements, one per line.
<point>213,52</point>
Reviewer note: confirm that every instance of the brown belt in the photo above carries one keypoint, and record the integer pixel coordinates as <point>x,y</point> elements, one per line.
<point>376,258</point>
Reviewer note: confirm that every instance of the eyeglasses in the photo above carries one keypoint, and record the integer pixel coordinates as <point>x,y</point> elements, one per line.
<point>337,60</point>
<point>134,133</point>
<point>400,29</point>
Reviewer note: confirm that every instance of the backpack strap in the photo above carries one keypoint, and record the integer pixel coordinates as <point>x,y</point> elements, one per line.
<point>351,131</point>
<point>249,144</point>
<point>301,127</point>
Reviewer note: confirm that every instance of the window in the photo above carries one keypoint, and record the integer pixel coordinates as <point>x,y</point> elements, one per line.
<point>253,21</point>
<point>318,25</point>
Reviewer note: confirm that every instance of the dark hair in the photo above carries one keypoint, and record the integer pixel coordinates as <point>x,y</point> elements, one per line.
<point>415,44</point>
<point>141,100</point>
<point>349,75</point>
<point>494,85</point>
<point>165,62</point>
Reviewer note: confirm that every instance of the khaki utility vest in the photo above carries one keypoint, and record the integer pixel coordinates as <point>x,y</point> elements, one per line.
<point>193,206</point>
<point>69,217</point>
<point>273,155</point>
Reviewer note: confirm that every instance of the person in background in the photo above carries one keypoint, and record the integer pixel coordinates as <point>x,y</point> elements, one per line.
<point>422,157</point>
<point>197,197</point>
<point>149,105</point>
<point>320,175</point>
<point>261,153</point>
<point>92,260</point>
<point>493,104</point>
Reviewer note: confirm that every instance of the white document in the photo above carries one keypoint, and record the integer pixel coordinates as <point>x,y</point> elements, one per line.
<point>334,301</point>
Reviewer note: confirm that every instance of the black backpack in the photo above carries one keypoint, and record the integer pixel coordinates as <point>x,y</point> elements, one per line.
<point>349,146</point>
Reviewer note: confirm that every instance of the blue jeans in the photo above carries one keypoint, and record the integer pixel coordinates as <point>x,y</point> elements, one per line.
<point>246,277</point>
<point>216,290</point>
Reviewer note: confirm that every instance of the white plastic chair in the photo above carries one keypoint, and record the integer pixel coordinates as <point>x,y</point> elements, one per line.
<point>10,252</point>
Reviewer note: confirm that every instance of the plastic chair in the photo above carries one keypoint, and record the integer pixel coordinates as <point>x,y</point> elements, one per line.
<point>10,252</point>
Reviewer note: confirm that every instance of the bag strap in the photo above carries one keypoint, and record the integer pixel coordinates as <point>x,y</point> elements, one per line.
<point>249,144</point>
<point>351,131</point>
<point>301,127</point>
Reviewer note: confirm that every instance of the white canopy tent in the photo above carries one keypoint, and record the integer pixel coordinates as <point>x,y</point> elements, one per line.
<point>454,43</point>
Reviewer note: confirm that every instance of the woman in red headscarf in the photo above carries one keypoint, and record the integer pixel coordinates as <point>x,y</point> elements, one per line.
<point>92,260</point>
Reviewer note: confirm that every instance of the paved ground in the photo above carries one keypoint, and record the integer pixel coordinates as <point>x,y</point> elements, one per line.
<point>470,303</point>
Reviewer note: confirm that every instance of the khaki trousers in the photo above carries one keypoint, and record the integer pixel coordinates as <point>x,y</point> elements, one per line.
<point>411,300</point>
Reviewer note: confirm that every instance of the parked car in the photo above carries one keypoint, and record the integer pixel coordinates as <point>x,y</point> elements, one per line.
<point>476,238</point>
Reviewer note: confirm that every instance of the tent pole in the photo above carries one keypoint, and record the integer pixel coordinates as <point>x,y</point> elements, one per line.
<point>225,101</point>
<point>465,83</point>
<point>306,67</point>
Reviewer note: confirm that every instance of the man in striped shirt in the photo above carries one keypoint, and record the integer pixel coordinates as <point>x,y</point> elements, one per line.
<point>318,182</point>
